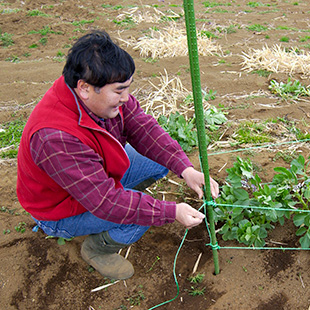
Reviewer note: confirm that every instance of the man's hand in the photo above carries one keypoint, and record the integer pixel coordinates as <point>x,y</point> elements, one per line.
<point>188,216</point>
<point>195,180</point>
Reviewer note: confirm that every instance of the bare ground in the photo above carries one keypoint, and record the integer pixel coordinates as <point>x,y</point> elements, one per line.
<point>37,273</point>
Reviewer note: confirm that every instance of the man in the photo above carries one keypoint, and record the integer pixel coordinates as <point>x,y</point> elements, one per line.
<point>88,150</point>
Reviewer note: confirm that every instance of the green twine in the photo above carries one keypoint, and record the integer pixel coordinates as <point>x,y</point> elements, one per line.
<point>259,146</point>
<point>261,208</point>
<point>217,247</point>
<point>174,275</point>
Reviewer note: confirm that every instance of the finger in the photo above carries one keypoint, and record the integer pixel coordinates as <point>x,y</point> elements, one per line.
<point>199,191</point>
<point>199,215</point>
<point>214,189</point>
<point>195,223</point>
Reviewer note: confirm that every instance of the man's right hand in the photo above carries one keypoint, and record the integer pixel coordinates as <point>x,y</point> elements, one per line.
<point>188,216</point>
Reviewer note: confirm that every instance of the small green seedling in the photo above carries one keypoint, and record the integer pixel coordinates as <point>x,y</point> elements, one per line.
<point>37,13</point>
<point>257,28</point>
<point>156,260</point>
<point>6,39</point>
<point>196,292</point>
<point>21,227</point>
<point>290,90</point>
<point>197,279</point>
<point>6,231</point>
<point>60,240</point>
<point>135,300</point>
<point>10,135</point>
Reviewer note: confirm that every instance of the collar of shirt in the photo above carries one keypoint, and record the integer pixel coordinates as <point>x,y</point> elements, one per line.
<point>97,120</point>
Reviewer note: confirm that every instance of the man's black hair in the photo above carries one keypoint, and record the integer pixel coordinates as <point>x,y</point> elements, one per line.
<point>97,60</point>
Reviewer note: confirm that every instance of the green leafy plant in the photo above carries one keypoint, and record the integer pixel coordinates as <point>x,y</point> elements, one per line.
<point>206,96</point>
<point>211,4</point>
<point>34,45</point>
<point>195,281</point>
<point>230,29</point>
<point>208,34</point>
<point>262,72</point>
<point>185,132</point>
<point>60,240</point>
<point>304,39</point>
<point>116,7</point>
<point>21,227</point>
<point>213,118</point>
<point>10,135</point>
<point>154,263</point>
<point>291,127</point>
<point>251,132</point>
<point>255,4</point>
<point>45,31</point>
<point>137,298</point>
<point>37,13</point>
<point>125,22</point>
<point>290,90</point>
<point>43,41</point>
<point>197,278</point>
<point>171,16</point>
<point>284,39</point>
<point>6,39</point>
<point>83,22</point>
<point>180,129</point>
<point>289,189</point>
<point>9,11</point>
<point>13,58</point>
<point>196,291</point>
<point>257,28</point>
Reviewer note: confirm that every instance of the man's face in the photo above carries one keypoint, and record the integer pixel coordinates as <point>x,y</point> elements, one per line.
<point>105,101</point>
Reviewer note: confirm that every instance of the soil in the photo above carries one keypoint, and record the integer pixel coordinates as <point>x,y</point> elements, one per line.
<point>38,273</point>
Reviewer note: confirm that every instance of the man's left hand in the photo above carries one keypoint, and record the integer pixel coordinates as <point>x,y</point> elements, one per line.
<point>195,180</point>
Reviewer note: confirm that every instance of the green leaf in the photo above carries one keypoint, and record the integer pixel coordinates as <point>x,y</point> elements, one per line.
<point>307,193</point>
<point>305,241</point>
<point>284,171</point>
<point>299,219</point>
<point>301,231</point>
<point>61,241</point>
<point>241,194</point>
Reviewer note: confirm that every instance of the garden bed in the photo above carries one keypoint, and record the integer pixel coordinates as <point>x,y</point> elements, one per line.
<point>38,273</point>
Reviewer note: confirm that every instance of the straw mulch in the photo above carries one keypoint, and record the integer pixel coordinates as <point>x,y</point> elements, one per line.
<point>147,14</point>
<point>164,98</point>
<point>167,97</point>
<point>171,41</point>
<point>278,60</point>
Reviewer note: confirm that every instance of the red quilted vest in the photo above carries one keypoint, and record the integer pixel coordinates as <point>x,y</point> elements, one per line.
<point>39,195</point>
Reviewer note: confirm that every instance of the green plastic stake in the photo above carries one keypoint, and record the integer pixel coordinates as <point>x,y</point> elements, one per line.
<point>199,113</point>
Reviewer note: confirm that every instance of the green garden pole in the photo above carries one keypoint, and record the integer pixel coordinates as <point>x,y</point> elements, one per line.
<point>199,113</point>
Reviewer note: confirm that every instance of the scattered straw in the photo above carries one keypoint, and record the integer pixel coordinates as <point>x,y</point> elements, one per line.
<point>197,263</point>
<point>278,60</point>
<point>127,252</point>
<point>170,42</point>
<point>147,14</point>
<point>165,98</point>
<point>103,286</point>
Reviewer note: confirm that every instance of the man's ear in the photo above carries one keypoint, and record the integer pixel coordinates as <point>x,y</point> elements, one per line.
<point>83,89</point>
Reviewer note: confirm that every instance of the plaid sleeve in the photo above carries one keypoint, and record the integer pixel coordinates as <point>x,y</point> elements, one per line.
<point>149,139</point>
<point>79,170</point>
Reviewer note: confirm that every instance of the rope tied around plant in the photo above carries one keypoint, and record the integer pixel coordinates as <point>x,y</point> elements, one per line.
<point>210,203</point>
<point>216,246</point>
